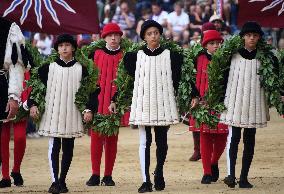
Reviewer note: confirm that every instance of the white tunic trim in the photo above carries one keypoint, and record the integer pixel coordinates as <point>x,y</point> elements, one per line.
<point>61,117</point>
<point>153,101</point>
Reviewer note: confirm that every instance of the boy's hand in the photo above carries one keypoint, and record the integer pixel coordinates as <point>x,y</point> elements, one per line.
<point>88,116</point>
<point>34,113</point>
<point>282,98</point>
<point>112,107</point>
<point>12,107</point>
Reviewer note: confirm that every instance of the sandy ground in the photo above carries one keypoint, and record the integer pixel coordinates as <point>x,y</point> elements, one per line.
<point>181,176</point>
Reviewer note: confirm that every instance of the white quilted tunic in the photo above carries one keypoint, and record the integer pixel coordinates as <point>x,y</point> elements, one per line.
<point>245,99</point>
<point>61,117</point>
<point>153,101</point>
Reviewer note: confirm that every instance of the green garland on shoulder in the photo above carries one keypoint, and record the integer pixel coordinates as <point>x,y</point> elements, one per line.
<point>270,79</point>
<point>109,124</point>
<point>34,82</point>
<point>38,88</point>
<point>88,84</point>
<point>281,68</point>
<point>188,73</point>
<point>125,83</point>
<point>220,63</point>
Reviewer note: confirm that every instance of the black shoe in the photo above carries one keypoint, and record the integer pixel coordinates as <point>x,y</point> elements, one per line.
<point>54,188</point>
<point>18,179</point>
<point>5,183</point>
<point>107,181</point>
<point>215,172</point>
<point>195,156</point>
<point>133,126</point>
<point>206,179</point>
<point>230,181</point>
<point>63,187</point>
<point>93,181</point>
<point>145,187</point>
<point>245,184</point>
<point>159,183</point>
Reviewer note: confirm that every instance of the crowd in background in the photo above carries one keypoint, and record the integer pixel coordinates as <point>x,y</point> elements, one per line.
<point>182,21</point>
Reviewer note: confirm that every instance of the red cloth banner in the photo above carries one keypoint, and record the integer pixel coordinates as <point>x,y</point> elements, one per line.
<point>53,16</point>
<point>268,13</point>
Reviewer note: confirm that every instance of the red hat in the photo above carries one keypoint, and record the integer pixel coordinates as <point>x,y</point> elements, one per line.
<point>111,28</point>
<point>208,26</point>
<point>211,35</point>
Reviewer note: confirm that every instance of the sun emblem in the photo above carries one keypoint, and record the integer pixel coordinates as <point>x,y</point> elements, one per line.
<point>37,9</point>
<point>273,4</point>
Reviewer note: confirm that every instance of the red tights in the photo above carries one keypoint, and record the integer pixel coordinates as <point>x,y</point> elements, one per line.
<point>19,146</point>
<point>212,146</point>
<point>98,142</point>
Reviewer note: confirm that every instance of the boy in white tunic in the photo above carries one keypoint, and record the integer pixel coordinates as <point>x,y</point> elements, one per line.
<point>62,121</point>
<point>245,102</point>
<point>156,73</point>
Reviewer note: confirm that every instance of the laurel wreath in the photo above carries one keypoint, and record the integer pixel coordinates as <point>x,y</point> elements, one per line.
<point>220,63</point>
<point>87,86</point>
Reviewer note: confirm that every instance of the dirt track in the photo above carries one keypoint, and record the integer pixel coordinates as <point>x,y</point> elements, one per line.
<point>181,176</point>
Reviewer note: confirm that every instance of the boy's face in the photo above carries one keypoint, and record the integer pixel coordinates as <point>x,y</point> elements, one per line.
<point>113,40</point>
<point>251,40</point>
<point>152,37</point>
<point>66,50</point>
<point>212,46</point>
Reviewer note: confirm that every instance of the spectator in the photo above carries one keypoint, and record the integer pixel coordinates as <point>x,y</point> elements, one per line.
<point>167,5</point>
<point>207,26</point>
<point>178,22</point>
<point>269,40</point>
<point>233,15</point>
<point>195,38</point>
<point>125,19</point>
<point>281,44</point>
<point>159,15</point>
<point>109,10</point>
<point>140,5</point>
<point>207,13</point>
<point>100,7</point>
<point>146,15</point>
<point>195,17</point>
<point>227,11</point>
<point>44,43</point>
<point>226,33</point>
<point>217,21</point>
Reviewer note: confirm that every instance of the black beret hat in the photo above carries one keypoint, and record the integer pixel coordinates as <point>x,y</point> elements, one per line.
<point>65,38</point>
<point>251,26</point>
<point>148,24</point>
